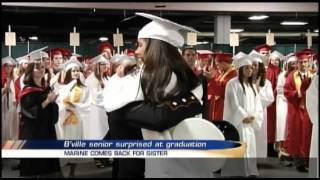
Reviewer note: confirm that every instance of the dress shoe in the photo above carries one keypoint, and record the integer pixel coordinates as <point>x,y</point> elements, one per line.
<point>302,169</point>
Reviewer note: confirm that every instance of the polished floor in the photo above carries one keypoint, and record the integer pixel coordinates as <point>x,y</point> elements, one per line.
<point>268,168</point>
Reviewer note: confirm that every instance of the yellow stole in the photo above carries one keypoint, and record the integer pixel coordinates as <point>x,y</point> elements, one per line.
<point>220,79</point>
<point>297,82</point>
<point>75,96</point>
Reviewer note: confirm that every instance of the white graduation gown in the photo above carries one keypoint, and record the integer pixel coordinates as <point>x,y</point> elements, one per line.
<point>282,109</point>
<point>82,109</point>
<point>97,125</point>
<point>238,106</point>
<point>9,122</point>
<point>120,91</point>
<point>267,98</point>
<point>54,83</point>
<point>312,104</point>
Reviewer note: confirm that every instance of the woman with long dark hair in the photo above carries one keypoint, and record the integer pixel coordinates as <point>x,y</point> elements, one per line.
<point>98,126</point>
<point>74,106</point>
<point>243,108</point>
<point>154,97</point>
<point>264,89</point>
<point>73,103</point>
<point>39,113</point>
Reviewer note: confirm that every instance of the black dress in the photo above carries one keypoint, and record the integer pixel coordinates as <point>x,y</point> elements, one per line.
<point>126,123</point>
<point>37,123</point>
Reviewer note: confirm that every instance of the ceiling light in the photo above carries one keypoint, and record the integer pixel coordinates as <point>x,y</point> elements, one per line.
<point>236,30</point>
<point>259,17</point>
<point>103,39</point>
<point>316,30</point>
<point>204,42</point>
<point>35,38</point>
<point>294,23</point>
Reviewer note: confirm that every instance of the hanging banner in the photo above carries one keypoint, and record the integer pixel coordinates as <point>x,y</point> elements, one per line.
<point>74,39</point>
<point>270,39</point>
<point>117,40</point>
<point>192,38</point>
<point>10,39</point>
<point>309,41</point>
<point>234,39</point>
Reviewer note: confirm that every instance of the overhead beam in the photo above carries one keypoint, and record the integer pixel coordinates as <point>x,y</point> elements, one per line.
<point>257,34</point>
<point>218,7</point>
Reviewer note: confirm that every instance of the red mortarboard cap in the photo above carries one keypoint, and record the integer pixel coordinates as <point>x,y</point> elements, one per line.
<point>131,52</point>
<point>204,54</point>
<point>66,52</point>
<point>103,46</point>
<point>223,57</point>
<point>308,51</point>
<point>87,58</point>
<point>55,51</point>
<point>302,55</point>
<point>263,47</point>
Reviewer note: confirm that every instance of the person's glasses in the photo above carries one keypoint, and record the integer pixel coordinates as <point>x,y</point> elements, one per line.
<point>75,71</point>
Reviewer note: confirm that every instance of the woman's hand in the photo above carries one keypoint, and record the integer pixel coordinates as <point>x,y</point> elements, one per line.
<point>51,97</point>
<point>248,120</point>
<point>71,109</point>
<point>121,69</point>
<point>68,102</point>
<point>5,89</point>
<point>208,72</point>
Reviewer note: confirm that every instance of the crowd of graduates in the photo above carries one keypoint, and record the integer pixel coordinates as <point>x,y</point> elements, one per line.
<point>54,94</point>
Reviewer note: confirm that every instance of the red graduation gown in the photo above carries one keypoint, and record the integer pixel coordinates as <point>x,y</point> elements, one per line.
<point>216,88</point>
<point>272,73</point>
<point>17,88</point>
<point>299,126</point>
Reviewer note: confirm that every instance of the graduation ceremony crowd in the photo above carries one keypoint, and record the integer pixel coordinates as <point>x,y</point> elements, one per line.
<point>271,99</point>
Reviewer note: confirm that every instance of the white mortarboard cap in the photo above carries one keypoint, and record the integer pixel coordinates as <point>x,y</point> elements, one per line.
<point>254,52</point>
<point>99,59</point>
<point>237,57</point>
<point>290,58</point>
<point>71,64</point>
<point>120,58</point>
<point>165,30</point>
<point>256,58</point>
<point>77,55</point>
<point>115,58</point>
<point>74,57</point>
<point>276,54</point>
<point>245,60</point>
<point>23,59</point>
<point>125,57</point>
<point>38,54</point>
<point>8,60</point>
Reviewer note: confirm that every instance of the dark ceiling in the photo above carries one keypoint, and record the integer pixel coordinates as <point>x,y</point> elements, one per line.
<point>55,24</point>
